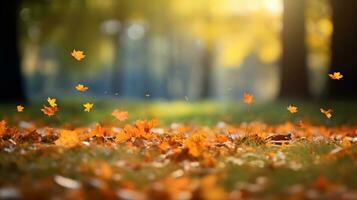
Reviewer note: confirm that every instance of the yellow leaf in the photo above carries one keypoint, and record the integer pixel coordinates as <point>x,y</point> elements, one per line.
<point>327,113</point>
<point>78,55</point>
<point>20,108</point>
<point>336,76</point>
<point>52,102</point>
<point>292,109</point>
<point>81,88</point>
<point>88,107</point>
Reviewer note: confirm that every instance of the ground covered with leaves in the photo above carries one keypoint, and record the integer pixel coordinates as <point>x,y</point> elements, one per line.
<point>152,159</point>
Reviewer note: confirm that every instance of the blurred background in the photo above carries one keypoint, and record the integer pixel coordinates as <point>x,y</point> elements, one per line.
<point>178,49</point>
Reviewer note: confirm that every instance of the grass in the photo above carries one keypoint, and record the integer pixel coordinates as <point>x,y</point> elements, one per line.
<point>41,164</point>
<point>203,113</point>
<point>300,164</point>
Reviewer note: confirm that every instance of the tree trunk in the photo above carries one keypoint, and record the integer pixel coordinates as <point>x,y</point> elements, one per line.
<point>294,80</point>
<point>344,49</point>
<point>11,88</point>
<point>207,67</point>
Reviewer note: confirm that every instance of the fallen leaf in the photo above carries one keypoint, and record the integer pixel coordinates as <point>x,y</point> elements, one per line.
<point>120,115</point>
<point>49,111</point>
<point>2,127</point>
<point>336,76</point>
<point>88,107</point>
<point>81,88</point>
<point>292,109</point>
<point>164,146</point>
<point>78,55</point>
<point>247,98</point>
<point>68,138</point>
<point>20,108</point>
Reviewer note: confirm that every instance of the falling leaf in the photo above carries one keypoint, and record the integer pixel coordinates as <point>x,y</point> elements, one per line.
<point>120,115</point>
<point>247,98</point>
<point>81,88</point>
<point>49,111</point>
<point>52,102</point>
<point>78,55</point>
<point>20,108</point>
<point>328,112</point>
<point>88,107</point>
<point>292,109</point>
<point>346,143</point>
<point>336,76</point>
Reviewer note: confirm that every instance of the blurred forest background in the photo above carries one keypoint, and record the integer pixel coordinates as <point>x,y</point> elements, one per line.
<point>177,49</point>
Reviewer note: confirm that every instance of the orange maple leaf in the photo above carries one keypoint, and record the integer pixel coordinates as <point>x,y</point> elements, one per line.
<point>49,111</point>
<point>327,113</point>
<point>120,115</point>
<point>20,108</point>
<point>68,138</point>
<point>78,55</point>
<point>247,98</point>
<point>2,127</point>
<point>336,76</point>
<point>81,88</point>
<point>164,146</point>
<point>292,109</point>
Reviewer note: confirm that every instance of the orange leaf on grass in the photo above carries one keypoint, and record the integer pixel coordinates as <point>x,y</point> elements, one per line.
<point>68,138</point>
<point>247,98</point>
<point>49,111</point>
<point>336,76</point>
<point>120,115</point>
<point>2,127</point>
<point>78,55</point>
<point>122,137</point>
<point>163,146</point>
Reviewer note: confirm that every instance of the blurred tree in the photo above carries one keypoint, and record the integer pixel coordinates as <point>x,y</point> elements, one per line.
<point>294,80</point>
<point>344,48</point>
<point>10,79</point>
